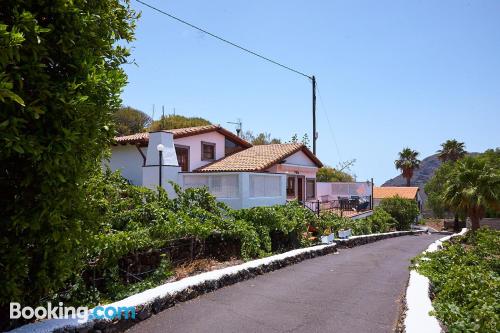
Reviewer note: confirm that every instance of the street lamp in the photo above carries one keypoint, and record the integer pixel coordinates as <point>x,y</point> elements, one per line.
<point>160,149</point>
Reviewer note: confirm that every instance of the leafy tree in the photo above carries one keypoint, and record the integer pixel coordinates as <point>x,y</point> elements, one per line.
<point>305,139</point>
<point>61,79</point>
<point>404,211</point>
<point>407,162</point>
<point>130,121</point>
<point>451,150</point>
<point>472,187</point>
<point>329,174</point>
<point>260,139</point>
<point>176,121</point>
<point>435,189</point>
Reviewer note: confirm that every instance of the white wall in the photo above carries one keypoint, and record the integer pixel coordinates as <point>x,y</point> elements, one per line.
<point>151,178</point>
<point>194,143</point>
<point>241,197</point>
<point>169,157</point>
<point>299,158</point>
<point>343,189</point>
<point>129,161</point>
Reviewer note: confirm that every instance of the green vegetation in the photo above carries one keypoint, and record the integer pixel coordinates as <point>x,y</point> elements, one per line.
<point>172,121</point>
<point>469,186</point>
<point>61,77</point>
<point>407,162</point>
<point>130,121</point>
<point>472,186</point>
<point>380,221</point>
<point>451,150</point>
<point>404,211</point>
<point>435,188</point>
<point>259,139</point>
<point>135,220</point>
<point>329,174</point>
<point>465,276</point>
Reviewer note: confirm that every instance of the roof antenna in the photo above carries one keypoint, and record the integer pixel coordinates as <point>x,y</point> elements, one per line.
<point>238,124</point>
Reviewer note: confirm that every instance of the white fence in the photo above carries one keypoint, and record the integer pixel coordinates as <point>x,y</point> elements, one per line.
<point>240,189</point>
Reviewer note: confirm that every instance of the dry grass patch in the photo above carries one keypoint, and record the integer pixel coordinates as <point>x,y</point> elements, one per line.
<point>198,266</point>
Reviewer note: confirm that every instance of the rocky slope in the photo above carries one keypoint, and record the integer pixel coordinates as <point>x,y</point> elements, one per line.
<point>420,176</point>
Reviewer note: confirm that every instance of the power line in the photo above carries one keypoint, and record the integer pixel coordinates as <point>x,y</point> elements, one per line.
<point>329,124</point>
<point>223,39</point>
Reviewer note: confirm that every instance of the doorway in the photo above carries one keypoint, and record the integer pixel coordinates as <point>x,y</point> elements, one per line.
<point>300,189</point>
<point>183,157</point>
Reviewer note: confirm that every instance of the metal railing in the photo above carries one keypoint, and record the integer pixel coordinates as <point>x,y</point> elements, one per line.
<point>340,206</point>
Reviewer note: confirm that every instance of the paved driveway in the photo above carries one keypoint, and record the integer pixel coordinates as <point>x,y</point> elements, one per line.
<point>357,290</point>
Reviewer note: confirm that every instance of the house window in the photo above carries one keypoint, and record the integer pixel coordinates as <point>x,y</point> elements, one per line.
<point>182,153</point>
<point>207,151</point>
<point>311,188</point>
<point>231,147</point>
<point>290,187</point>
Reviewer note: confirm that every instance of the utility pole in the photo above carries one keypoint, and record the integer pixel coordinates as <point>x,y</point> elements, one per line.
<point>313,78</point>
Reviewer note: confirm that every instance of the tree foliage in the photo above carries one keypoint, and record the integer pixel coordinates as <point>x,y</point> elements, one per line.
<point>173,121</point>
<point>130,121</point>
<point>451,150</point>
<point>404,211</point>
<point>473,186</point>
<point>305,140</point>
<point>407,162</point>
<point>259,139</point>
<point>329,174</point>
<point>434,189</point>
<point>60,81</point>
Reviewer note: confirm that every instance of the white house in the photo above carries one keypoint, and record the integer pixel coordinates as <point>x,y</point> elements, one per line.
<point>236,172</point>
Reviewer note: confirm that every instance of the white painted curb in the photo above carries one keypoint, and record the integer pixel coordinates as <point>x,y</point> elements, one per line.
<point>418,302</point>
<point>149,296</point>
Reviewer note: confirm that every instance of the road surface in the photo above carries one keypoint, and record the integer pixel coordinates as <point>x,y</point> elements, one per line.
<point>356,290</point>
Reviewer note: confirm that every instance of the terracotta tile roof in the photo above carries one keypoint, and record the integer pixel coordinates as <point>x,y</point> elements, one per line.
<point>143,138</point>
<point>258,158</point>
<point>391,191</point>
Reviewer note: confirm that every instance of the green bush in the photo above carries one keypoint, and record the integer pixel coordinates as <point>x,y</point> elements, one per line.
<point>404,211</point>
<point>61,77</point>
<point>380,221</point>
<point>465,276</point>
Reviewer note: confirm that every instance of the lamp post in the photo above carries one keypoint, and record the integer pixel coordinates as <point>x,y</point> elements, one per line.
<point>160,149</point>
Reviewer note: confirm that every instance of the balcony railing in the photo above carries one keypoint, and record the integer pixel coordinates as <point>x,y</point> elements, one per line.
<point>345,207</point>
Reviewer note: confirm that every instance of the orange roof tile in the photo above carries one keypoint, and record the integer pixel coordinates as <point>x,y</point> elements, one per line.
<point>391,191</point>
<point>258,158</point>
<point>143,138</point>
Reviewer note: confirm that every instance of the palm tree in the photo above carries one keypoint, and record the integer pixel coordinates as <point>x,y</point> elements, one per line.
<point>407,163</point>
<point>451,150</point>
<point>473,186</point>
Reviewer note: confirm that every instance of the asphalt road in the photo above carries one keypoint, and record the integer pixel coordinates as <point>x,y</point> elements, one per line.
<point>357,290</point>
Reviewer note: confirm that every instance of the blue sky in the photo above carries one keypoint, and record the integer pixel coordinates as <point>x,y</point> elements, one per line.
<point>391,74</point>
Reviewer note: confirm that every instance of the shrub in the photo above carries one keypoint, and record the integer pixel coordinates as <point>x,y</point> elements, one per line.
<point>381,220</point>
<point>404,211</point>
<point>60,79</point>
<point>465,276</point>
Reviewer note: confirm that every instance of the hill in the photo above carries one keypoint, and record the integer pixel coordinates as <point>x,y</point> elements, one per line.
<point>420,176</point>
